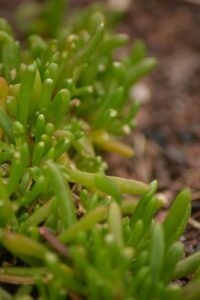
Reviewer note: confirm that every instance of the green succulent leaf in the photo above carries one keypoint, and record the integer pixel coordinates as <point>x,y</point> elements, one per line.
<point>177,218</point>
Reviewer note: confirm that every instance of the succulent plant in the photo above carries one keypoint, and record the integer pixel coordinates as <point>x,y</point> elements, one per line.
<point>67,230</point>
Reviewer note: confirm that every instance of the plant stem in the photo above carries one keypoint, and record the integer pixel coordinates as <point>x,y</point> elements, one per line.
<point>21,245</point>
<point>187,266</point>
<point>95,216</point>
<point>63,195</point>
<point>39,216</point>
<point>125,186</point>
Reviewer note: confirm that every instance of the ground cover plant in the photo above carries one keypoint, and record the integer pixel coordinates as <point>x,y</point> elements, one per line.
<point>69,231</point>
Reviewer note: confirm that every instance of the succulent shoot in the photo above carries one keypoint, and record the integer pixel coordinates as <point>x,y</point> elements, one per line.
<point>73,233</point>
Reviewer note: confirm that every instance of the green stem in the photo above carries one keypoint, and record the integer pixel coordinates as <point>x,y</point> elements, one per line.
<point>106,142</point>
<point>115,224</point>
<point>6,124</point>
<point>45,98</point>
<point>24,96</point>
<point>7,215</point>
<point>39,216</point>
<point>21,245</point>
<point>87,50</point>
<point>95,216</point>
<point>19,164</point>
<point>125,186</point>
<point>187,266</point>
<point>63,195</point>
<point>140,69</point>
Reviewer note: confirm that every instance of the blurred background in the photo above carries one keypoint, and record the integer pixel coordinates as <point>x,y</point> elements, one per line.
<point>167,138</point>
